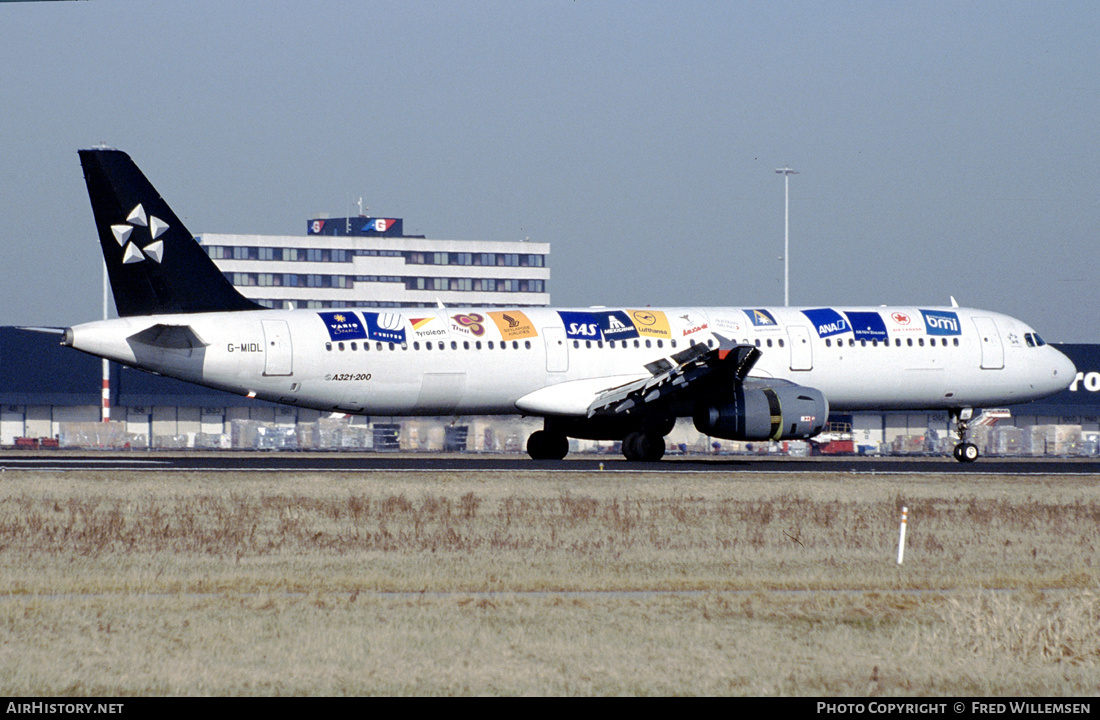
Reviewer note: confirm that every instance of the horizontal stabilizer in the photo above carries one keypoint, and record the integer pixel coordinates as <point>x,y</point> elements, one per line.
<point>168,337</point>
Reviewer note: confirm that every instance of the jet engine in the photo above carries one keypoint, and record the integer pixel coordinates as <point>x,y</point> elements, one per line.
<point>774,412</point>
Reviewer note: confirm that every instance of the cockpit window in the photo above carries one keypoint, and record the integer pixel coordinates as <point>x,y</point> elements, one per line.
<point>1029,339</point>
<point>1038,340</point>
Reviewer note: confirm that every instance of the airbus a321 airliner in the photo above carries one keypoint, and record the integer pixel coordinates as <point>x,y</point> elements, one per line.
<point>741,373</point>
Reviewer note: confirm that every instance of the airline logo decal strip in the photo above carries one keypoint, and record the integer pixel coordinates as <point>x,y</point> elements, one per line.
<point>827,322</point>
<point>580,326</point>
<point>388,327</point>
<point>651,323</point>
<point>343,326</point>
<point>761,318</point>
<point>513,325</point>
<point>616,325</point>
<point>867,325</point>
<point>940,322</point>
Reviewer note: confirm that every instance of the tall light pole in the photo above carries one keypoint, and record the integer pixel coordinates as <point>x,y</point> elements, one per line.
<point>786,172</point>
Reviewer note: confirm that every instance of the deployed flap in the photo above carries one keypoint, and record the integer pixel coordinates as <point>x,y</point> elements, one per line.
<point>694,366</point>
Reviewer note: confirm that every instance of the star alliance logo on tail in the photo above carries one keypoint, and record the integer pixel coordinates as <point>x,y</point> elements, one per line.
<point>124,234</point>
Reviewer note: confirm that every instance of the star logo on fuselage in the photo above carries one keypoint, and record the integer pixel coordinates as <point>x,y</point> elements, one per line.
<point>124,234</point>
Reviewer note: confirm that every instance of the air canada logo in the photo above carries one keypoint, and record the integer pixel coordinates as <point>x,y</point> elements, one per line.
<point>130,239</point>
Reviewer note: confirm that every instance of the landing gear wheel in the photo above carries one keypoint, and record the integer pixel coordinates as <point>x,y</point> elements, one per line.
<point>545,445</point>
<point>639,447</point>
<point>966,452</point>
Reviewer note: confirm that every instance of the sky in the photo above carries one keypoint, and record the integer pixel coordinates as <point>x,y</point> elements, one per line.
<point>943,148</point>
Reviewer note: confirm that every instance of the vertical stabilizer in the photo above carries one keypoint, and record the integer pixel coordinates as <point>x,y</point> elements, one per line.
<point>154,263</point>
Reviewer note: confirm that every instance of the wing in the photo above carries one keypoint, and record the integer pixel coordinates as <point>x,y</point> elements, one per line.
<point>669,380</point>
<point>694,369</point>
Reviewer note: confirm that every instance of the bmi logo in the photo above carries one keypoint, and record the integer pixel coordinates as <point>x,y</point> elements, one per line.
<point>128,241</point>
<point>939,322</point>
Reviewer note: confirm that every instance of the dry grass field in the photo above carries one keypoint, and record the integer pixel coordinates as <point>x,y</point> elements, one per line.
<point>146,583</point>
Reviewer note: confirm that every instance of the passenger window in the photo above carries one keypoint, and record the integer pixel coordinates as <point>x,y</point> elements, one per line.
<point>340,347</point>
<point>647,343</point>
<point>490,344</point>
<point>465,344</point>
<point>828,342</point>
<point>392,346</point>
<point>527,344</point>
<point>416,346</point>
<point>328,346</point>
<point>920,341</point>
<point>454,345</point>
<point>515,345</point>
<point>611,343</point>
<point>956,342</point>
<point>661,343</point>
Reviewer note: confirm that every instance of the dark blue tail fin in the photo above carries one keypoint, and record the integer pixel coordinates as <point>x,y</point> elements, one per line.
<point>154,263</point>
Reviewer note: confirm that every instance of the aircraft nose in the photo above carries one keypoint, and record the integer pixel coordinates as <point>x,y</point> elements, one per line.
<point>1063,370</point>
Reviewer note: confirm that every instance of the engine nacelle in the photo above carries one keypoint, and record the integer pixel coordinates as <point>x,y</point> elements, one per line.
<point>782,412</point>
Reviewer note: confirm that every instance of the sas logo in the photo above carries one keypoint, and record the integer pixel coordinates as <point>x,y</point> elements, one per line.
<point>343,325</point>
<point>827,322</point>
<point>941,322</point>
<point>761,318</point>
<point>124,235</point>
<point>580,326</point>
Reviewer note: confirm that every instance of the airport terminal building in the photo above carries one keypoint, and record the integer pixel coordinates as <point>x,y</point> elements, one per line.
<point>369,262</point>
<point>52,395</point>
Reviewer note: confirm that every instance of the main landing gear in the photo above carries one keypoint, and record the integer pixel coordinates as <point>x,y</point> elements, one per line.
<point>643,447</point>
<point>965,451</point>
<point>547,445</point>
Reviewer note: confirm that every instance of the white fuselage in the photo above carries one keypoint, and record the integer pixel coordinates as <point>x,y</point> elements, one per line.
<point>462,361</point>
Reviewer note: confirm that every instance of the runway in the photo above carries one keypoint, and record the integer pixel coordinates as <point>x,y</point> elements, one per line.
<point>245,461</point>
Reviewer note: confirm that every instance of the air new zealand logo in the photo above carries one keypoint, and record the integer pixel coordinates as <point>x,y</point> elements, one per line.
<point>124,234</point>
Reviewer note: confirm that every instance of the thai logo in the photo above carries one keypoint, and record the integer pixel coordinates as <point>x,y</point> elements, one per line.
<point>135,247</point>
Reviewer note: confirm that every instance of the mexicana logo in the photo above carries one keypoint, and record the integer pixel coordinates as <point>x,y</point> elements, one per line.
<point>616,325</point>
<point>343,325</point>
<point>941,322</point>
<point>827,321</point>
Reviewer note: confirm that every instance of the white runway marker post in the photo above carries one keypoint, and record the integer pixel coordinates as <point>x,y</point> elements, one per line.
<point>901,534</point>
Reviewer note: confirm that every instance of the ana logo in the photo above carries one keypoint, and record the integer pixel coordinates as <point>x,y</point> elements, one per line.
<point>900,318</point>
<point>124,234</point>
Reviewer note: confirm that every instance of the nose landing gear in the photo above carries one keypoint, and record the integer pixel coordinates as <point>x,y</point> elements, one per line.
<point>965,451</point>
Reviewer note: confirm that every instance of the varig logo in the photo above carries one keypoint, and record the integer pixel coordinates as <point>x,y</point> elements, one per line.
<point>343,326</point>
<point>124,234</point>
<point>941,322</point>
